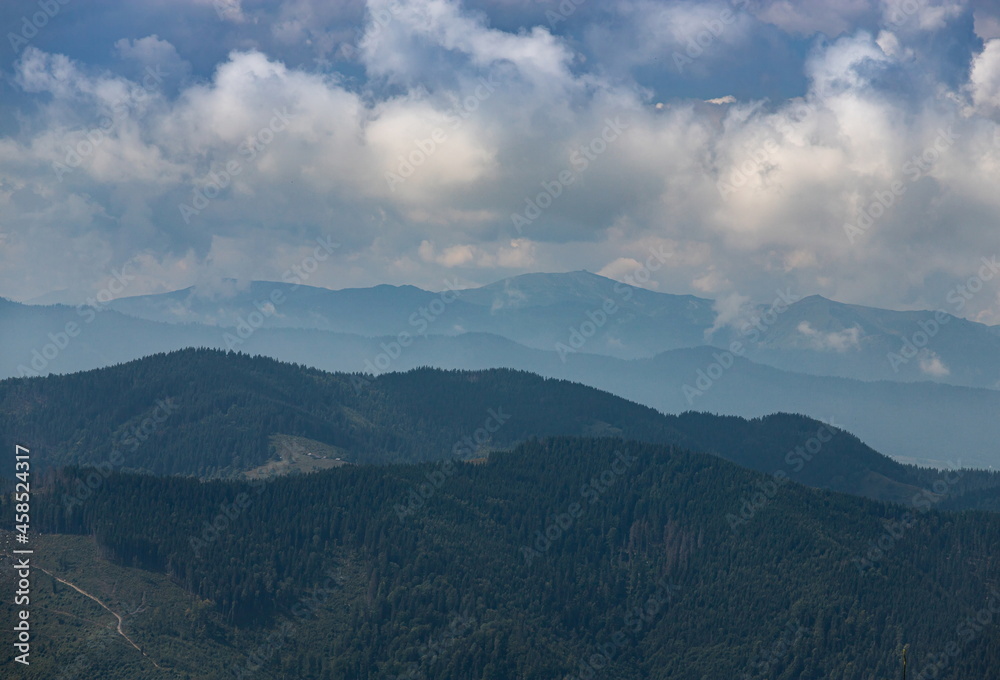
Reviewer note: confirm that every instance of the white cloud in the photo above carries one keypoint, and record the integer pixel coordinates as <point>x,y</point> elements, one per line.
<point>730,310</point>
<point>149,51</point>
<point>397,47</point>
<point>712,282</point>
<point>807,17</point>
<point>932,365</point>
<point>619,268</point>
<point>987,22</point>
<point>515,254</point>
<point>672,34</point>
<point>229,10</point>
<point>807,165</point>
<point>984,79</point>
<point>924,15</point>
<point>890,44</point>
<point>836,341</point>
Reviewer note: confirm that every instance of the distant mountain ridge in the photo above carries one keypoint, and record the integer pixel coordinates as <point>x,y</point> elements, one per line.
<point>588,313</point>
<point>824,337</point>
<point>811,335</point>
<point>929,423</point>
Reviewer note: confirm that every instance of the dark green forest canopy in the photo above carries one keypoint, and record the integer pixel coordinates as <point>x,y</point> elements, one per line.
<point>212,414</point>
<point>555,549</point>
<point>586,525</point>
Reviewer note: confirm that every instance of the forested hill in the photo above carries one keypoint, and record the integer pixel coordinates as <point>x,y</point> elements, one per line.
<point>213,414</point>
<point>564,558</point>
<point>210,413</point>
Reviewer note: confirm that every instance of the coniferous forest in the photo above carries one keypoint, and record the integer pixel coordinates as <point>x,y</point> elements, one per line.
<point>565,545</point>
<point>500,340</point>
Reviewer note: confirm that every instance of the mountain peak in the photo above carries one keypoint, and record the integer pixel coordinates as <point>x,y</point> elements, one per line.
<point>544,289</point>
<point>816,299</point>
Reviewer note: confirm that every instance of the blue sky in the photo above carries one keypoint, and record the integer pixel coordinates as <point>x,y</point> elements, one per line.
<point>843,148</point>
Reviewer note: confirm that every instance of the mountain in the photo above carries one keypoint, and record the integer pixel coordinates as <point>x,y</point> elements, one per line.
<point>544,311</point>
<point>928,423</point>
<point>38,340</point>
<point>381,310</point>
<point>823,337</point>
<point>211,414</point>
<point>594,314</point>
<point>535,310</point>
<point>564,557</point>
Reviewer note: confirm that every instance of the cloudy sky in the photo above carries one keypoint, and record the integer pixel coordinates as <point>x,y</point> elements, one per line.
<point>847,148</point>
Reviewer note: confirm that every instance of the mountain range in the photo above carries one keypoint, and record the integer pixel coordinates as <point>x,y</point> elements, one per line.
<point>212,414</point>
<point>552,325</point>
<point>182,530</point>
<point>542,311</point>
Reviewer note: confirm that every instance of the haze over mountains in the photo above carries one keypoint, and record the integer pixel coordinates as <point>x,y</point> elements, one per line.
<point>429,488</point>
<point>811,335</point>
<point>213,414</point>
<point>669,352</point>
<point>306,372</point>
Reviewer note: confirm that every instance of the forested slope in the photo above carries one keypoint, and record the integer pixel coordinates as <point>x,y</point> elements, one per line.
<point>213,414</point>
<point>551,553</point>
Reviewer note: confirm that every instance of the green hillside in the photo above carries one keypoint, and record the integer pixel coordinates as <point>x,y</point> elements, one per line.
<point>559,553</point>
<point>210,414</point>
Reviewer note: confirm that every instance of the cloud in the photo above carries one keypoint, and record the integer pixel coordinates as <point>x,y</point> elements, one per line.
<point>218,289</point>
<point>680,36</point>
<point>619,268</point>
<point>807,17</point>
<point>403,40</point>
<point>511,298</point>
<point>516,254</point>
<point>836,341</point>
<point>483,107</point>
<point>923,15</point>
<point>229,10</point>
<point>987,23</point>
<point>932,365</point>
<point>984,80</point>
<point>148,51</point>
<point>730,310</point>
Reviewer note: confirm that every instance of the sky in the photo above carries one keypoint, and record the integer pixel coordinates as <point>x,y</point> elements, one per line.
<point>849,149</point>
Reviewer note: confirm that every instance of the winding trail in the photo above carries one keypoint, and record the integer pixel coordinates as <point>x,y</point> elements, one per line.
<point>116,615</point>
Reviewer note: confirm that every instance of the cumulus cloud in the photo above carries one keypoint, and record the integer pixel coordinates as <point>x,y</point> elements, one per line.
<point>148,51</point>
<point>404,45</point>
<point>516,254</point>
<point>229,10</point>
<point>835,341</point>
<point>987,22</point>
<point>984,79</point>
<point>923,15</point>
<point>683,36</point>
<point>620,268</point>
<point>932,365</point>
<point>730,310</point>
<point>448,120</point>
<point>807,17</point>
